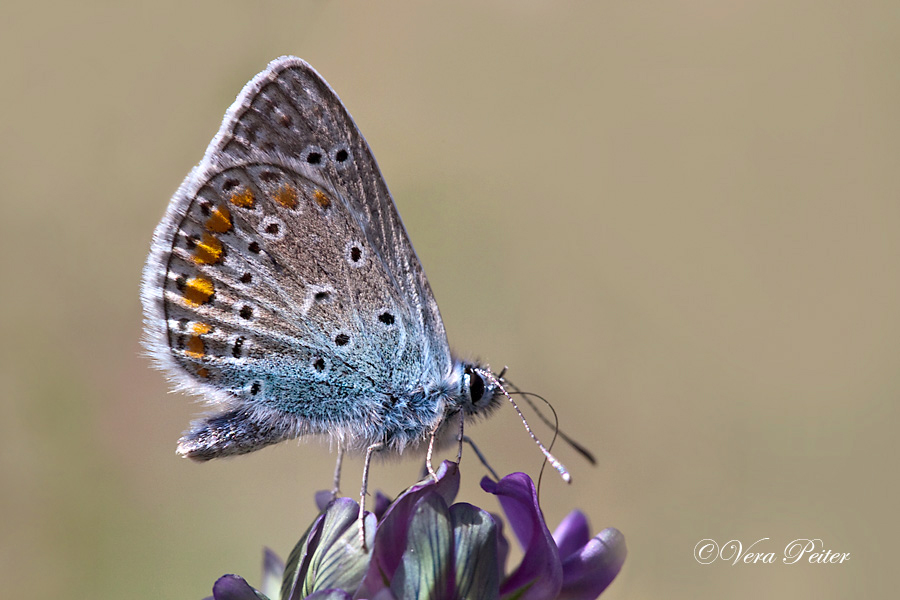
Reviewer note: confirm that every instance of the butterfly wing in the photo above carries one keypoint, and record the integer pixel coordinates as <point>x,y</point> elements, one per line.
<point>281,283</point>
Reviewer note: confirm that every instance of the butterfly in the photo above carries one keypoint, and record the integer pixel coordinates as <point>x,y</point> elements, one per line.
<point>282,287</point>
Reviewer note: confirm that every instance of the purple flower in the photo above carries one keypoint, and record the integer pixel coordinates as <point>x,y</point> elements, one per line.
<point>424,546</point>
<point>232,587</point>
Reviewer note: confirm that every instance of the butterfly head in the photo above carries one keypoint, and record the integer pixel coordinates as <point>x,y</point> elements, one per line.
<point>481,391</point>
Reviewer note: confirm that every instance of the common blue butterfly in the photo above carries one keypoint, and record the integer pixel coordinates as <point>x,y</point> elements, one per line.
<point>282,287</point>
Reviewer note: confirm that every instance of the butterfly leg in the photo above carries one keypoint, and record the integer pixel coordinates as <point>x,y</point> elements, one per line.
<point>461,437</point>
<point>364,492</point>
<point>430,452</point>
<point>336,488</point>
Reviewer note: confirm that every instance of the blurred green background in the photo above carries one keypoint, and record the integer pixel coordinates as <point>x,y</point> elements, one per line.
<point>677,220</point>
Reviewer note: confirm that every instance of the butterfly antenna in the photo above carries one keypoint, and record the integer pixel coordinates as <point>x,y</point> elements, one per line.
<point>560,468</point>
<point>587,454</point>
<point>554,426</point>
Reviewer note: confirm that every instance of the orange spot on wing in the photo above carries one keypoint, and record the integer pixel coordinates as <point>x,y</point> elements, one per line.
<point>203,372</point>
<point>195,348</point>
<point>220,220</point>
<point>321,199</point>
<point>286,196</point>
<point>198,290</point>
<point>243,198</point>
<point>208,250</point>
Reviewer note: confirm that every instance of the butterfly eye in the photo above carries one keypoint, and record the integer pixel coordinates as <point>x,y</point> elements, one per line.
<point>476,386</point>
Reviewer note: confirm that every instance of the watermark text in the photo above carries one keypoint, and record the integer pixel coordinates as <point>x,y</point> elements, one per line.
<point>734,552</point>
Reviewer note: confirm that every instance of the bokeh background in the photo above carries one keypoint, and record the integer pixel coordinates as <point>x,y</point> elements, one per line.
<point>677,220</point>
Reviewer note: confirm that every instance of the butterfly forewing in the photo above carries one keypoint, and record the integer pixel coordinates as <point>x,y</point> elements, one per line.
<point>289,109</point>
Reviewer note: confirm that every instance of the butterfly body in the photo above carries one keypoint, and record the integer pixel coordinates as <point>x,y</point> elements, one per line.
<point>283,288</point>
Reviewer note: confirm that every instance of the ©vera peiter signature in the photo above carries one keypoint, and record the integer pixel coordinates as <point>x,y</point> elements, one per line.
<point>812,551</point>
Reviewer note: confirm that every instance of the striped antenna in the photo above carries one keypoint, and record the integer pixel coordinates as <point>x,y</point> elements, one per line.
<point>560,468</point>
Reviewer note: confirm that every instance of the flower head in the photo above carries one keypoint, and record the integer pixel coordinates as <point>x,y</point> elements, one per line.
<point>422,545</point>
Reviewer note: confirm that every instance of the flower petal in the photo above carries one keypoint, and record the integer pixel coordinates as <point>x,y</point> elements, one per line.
<point>272,575</point>
<point>298,560</point>
<point>232,587</point>
<point>329,595</point>
<point>384,594</point>
<point>589,571</point>
<point>323,498</point>
<point>382,503</point>
<point>390,539</point>
<point>329,555</point>
<point>475,552</point>
<point>426,566</point>
<point>338,561</point>
<point>539,575</point>
<point>502,545</point>
<point>572,533</point>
